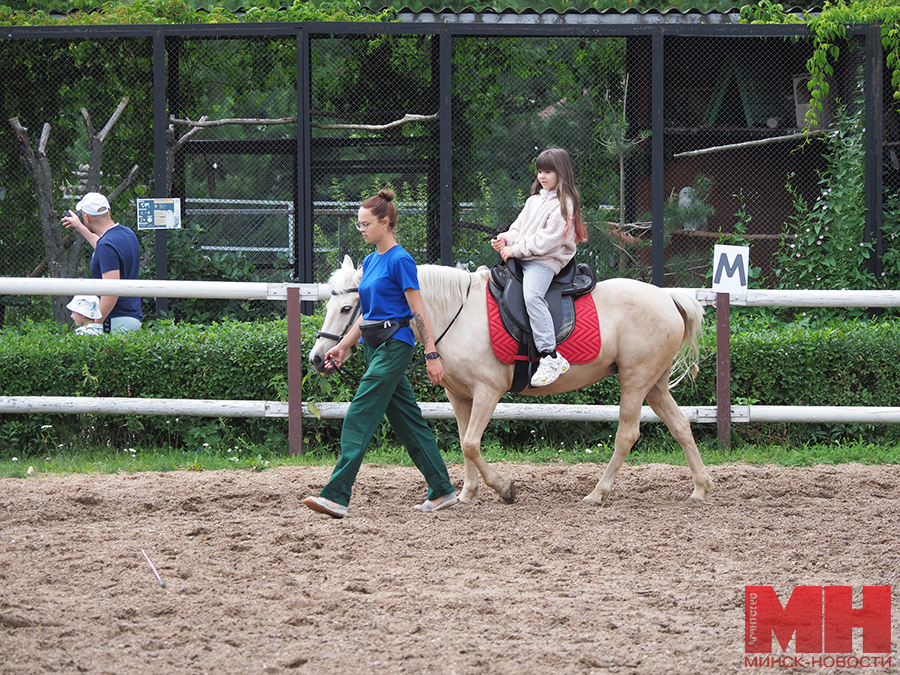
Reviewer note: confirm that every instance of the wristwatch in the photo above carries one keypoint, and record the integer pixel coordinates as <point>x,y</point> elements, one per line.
<point>432,355</point>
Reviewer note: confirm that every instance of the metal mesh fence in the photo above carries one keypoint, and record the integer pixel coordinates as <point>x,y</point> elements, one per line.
<point>739,167</point>
<point>734,166</point>
<point>891,187</point>
<point>69,102</point>
<point>518,96</point>
<point>362,87</point>
<point>734,148</point>
<point>237,180</point>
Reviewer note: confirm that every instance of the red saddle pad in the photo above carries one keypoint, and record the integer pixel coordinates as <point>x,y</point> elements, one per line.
<point>582,346</point>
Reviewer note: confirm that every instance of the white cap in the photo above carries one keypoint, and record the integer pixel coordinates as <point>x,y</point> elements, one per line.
<point>86,305</point>
<point>93,204</point>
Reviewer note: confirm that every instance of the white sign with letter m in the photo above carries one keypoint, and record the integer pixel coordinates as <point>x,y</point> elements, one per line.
<point>731,268</point>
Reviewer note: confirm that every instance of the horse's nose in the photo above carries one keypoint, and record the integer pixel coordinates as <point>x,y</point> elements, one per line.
<point>316,361</point>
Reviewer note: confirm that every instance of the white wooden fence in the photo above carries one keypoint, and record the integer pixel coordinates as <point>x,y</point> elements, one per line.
<point>295,410</point>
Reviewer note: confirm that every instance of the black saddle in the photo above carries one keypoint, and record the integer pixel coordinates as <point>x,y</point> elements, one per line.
<point>574,280</point>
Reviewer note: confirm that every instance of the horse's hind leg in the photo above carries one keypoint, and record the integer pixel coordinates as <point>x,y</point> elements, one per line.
<point>477,414</point>
<point>660,399</point>
<point>626,436</point>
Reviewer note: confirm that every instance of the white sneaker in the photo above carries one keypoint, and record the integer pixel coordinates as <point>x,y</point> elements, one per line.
<point>440,503</point>
<point>550,368</point>
<point>326,506</point>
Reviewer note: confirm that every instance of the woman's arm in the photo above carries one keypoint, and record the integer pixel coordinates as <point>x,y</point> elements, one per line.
<point>338,353</point>
<point>423,326</point>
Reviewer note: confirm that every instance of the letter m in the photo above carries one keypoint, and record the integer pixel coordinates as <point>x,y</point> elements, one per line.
<point>802,614</point>
<point>730,269</point>
<point>874,617</point>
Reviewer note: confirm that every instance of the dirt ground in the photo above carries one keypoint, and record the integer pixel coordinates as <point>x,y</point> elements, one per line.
<point>257,583</point>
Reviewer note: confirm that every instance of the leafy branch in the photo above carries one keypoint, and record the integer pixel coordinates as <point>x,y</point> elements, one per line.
<point>829,29</point>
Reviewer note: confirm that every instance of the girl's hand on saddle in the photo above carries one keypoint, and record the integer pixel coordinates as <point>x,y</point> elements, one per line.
<point>435,371</point>
<point>498,243</point>
<point>506,253</point>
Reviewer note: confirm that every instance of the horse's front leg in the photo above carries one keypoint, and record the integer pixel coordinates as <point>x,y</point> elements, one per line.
<point>480,410</point>
<point>626,436</point>
<point>462,409</point>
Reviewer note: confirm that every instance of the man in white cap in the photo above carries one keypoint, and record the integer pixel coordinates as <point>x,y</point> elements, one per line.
<point>117,255</point>
<point>86,314</point>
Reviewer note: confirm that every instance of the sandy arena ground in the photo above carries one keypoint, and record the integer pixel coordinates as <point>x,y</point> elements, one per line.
<point>257,583</point>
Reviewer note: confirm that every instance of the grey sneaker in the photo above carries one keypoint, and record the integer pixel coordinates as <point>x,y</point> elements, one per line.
<point>439,503</point>
<point>550,368</point>
<point>326,506</point>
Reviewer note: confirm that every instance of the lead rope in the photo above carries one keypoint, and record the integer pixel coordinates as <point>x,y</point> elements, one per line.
<point>340,371</point>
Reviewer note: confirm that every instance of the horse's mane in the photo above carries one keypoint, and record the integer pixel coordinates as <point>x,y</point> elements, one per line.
<point>344,278</point>
<point>441,286</point>
<point>446,286</point>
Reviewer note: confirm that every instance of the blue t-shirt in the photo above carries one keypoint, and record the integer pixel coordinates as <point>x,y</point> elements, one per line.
<point>118,249</point>
<point>382,290</point>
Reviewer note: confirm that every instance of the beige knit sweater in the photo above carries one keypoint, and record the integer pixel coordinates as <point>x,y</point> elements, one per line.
<point>539,233</point>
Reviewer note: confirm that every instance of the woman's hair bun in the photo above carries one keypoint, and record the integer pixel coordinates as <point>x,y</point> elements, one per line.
<point>386,195</point>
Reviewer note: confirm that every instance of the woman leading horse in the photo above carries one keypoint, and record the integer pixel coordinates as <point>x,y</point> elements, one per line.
<point>644,329</point>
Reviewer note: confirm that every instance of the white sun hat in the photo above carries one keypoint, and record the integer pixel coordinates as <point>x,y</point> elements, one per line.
<point>87,305</point>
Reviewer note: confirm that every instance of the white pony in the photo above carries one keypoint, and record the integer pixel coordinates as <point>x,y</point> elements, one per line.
<point>643,330</point>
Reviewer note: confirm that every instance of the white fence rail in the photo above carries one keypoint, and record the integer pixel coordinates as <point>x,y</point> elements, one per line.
<point>802,298</point>
<point>81,405</point>
<point>313,292</point>
<point>215,290</point>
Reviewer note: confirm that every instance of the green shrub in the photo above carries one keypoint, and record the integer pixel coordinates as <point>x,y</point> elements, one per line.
<point>853,363</point>
<point>842,363</point>
<point>222,361</point>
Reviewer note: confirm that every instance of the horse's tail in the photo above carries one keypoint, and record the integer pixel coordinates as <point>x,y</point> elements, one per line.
<point>686,363</point>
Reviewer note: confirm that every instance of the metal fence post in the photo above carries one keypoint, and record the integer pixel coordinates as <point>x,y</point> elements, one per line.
<point>160,169</point>
<point>874,148</point>
<point>657,143</point>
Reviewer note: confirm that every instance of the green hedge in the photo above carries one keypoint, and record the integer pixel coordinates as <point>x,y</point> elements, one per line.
<point>225,361</point>
<point>853,364</point>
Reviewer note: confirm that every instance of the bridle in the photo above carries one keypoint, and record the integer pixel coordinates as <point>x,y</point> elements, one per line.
<point>358,309</point>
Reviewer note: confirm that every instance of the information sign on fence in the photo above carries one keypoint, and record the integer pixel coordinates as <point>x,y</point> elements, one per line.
<point>159,214</point>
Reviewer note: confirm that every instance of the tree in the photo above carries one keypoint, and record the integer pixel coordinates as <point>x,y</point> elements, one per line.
<point>63,256</point>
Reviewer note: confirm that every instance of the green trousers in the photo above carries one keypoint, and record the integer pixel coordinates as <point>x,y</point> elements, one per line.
<point>384,390</point>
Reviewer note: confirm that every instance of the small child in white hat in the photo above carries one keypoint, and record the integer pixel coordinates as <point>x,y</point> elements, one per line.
<point>85,312</point>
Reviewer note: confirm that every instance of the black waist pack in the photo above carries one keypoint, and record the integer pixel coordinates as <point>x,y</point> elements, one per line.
<point>376,333</point>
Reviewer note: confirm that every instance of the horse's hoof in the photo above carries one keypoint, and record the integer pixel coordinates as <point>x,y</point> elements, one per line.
<point>699,495</point>
<point>592,500</point>
<point>467,500</point>
<point>510,495</point>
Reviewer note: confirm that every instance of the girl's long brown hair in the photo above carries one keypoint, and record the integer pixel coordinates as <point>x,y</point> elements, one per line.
<point>558,161</point>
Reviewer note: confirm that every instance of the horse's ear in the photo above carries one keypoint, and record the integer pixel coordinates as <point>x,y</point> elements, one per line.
<point>348,263</point>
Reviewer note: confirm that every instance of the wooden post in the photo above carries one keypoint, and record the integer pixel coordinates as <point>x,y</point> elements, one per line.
<point>723,369</point>
<point>295,373</point>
